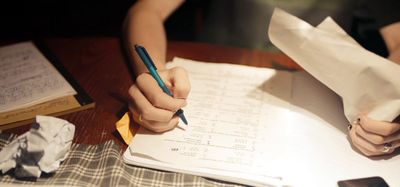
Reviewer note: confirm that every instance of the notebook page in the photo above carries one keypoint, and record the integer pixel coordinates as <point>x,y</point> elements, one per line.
<point>27,78</point>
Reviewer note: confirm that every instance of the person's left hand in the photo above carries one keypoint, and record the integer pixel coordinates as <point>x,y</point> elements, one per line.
<point>375,138</point>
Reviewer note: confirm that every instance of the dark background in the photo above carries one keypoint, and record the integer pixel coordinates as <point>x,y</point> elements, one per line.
<point>27,19</point>
<point>32,19</point>
<point>23,19</point>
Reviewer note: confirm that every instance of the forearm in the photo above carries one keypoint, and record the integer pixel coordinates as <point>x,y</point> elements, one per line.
<point>144,25</point>
<point>391,36</point>
<point>395,55</point>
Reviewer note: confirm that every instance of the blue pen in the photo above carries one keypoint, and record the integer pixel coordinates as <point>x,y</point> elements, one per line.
<point>153,72</point>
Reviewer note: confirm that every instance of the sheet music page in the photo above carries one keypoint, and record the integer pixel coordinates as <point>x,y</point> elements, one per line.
<point>232,111</point>
<point>28,78</point>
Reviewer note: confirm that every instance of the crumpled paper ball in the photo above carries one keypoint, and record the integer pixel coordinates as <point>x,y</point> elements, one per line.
<point>41,149</point>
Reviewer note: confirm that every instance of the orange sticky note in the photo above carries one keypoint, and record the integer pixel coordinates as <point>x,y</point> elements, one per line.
<point>125,129</point>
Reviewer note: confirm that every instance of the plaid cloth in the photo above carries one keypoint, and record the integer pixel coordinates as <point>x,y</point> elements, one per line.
<point>102,165</point>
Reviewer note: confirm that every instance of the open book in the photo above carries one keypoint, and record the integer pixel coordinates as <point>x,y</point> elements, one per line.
<point>261,127</point>
<point>31,85</point>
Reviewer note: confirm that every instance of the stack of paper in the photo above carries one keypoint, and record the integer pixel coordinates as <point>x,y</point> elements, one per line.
<point>261,127</point>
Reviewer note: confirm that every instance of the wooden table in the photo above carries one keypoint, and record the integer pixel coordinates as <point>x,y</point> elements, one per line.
<point>99,66</point>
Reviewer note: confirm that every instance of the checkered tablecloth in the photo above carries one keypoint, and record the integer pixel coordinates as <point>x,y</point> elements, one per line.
<point>102,165</point>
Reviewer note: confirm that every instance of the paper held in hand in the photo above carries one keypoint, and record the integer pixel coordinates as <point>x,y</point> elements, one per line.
<point>367,83</point>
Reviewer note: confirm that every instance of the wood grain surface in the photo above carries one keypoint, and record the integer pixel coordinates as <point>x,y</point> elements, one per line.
<point>99,66</point>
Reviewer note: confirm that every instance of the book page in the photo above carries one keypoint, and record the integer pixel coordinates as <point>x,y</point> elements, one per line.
<point>28,78</point>
<point>232,112</point>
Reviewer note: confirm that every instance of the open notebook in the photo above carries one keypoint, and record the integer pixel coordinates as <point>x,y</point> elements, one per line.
<point>261,127</point>
<point>33,82</point>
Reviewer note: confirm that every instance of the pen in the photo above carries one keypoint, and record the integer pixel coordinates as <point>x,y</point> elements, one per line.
<point>153,72</point>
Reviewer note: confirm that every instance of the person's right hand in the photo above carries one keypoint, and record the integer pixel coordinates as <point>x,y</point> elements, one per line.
<point>154,109</point>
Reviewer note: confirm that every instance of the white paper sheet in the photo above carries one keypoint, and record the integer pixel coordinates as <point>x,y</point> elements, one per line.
<point>367,83</point>
<point>297,133</point>
<point>228,107</point>
<point>27,78</point>
<point>318,151</point>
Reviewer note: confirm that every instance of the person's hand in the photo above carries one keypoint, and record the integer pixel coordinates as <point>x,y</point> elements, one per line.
<point>375,138</point>
<point>154,109</point>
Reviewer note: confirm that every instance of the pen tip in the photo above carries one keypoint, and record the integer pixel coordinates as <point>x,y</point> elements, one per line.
<point>184,120</point>
<point>180,114</point>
